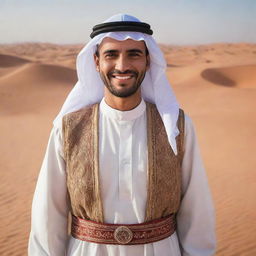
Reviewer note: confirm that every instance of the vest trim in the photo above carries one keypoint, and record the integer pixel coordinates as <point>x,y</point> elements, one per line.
<point>96,157</point>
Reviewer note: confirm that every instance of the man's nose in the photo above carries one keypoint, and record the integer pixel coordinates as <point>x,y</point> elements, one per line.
<point>122,64</point>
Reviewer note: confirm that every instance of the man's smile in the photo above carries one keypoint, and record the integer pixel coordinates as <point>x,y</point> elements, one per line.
<point>122,77</point>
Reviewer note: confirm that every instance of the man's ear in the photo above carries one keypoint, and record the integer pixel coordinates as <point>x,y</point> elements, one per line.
<point>96,60</point>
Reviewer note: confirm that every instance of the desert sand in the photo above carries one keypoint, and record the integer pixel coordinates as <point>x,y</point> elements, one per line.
<point>215,84</point>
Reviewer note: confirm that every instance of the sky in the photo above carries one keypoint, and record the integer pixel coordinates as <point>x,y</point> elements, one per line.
<point>182,22</point>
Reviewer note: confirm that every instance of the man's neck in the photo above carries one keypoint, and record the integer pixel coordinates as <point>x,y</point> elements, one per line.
<point>123,104</point>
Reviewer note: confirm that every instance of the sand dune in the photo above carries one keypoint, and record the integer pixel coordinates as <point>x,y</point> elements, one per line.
<point>45,53</point>
<point>42,73</point>
<point>215,84</point>
<point>11,61</point>
<point>30,86</point>
<point>238,76</point>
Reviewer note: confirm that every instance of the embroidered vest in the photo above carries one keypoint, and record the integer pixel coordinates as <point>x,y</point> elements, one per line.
<point>81,140</point>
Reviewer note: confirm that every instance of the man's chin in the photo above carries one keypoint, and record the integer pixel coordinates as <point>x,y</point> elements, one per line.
<point>122,83</point>
<point>123,92</point>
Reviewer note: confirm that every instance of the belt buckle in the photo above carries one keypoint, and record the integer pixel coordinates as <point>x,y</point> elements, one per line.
<point>123,235</point>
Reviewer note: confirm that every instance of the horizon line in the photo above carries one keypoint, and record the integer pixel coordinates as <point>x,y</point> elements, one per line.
<point>160,43</point>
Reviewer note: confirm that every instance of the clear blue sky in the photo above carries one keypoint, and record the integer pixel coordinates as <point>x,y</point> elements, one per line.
<point>173,21</point>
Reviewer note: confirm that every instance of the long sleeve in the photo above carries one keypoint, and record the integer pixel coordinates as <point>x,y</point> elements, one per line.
<point>196,217</point>
<point>48,236</point>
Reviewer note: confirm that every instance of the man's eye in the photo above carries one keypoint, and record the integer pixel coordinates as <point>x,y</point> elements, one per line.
<point>134,54</point>
<point>110,55</point>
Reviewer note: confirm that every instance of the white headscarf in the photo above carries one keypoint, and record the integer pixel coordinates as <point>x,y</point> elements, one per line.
<point>155,87</point>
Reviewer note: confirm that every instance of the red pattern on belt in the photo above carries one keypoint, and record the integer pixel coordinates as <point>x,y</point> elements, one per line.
<point>130,234</point>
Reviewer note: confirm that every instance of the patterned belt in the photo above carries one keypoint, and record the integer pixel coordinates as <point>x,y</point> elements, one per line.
<point>143,233</point>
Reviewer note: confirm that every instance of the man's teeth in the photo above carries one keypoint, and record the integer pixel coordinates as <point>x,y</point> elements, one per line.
<point>122,77</point>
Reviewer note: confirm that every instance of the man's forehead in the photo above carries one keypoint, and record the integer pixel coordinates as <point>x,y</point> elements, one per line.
<point>111,43</point>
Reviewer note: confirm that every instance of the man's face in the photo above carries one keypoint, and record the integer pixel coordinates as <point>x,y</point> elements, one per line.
<point>122,65</point>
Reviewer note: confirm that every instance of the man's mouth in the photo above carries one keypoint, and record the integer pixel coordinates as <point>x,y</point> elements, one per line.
<point>126,77</point>
<point>123,76</point>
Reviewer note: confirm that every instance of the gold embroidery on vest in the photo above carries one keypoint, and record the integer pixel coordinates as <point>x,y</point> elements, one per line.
<point>80,133</point>
<point>164,168</point>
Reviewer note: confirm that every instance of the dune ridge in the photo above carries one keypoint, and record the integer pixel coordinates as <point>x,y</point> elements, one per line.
<point>237,76</point>
<point>11,61</point>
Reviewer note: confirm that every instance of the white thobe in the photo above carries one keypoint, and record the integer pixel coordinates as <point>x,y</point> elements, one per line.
<point>123,184</point>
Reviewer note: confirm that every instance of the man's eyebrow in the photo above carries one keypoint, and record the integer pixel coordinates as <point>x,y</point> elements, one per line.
<point>135,51</point>
<point>110,51</point>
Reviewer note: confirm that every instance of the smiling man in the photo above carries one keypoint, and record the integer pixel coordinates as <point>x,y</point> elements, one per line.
<point>122,158</point>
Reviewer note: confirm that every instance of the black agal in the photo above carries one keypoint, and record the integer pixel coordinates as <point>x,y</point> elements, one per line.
<point>121,26</point>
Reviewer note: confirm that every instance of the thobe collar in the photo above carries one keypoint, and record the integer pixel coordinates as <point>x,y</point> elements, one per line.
<point>118,115</point>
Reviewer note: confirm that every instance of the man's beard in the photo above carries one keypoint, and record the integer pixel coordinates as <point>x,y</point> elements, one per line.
<point>126,92</point>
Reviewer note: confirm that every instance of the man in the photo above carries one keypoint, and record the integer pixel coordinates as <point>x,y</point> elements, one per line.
<point>122,158</point>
